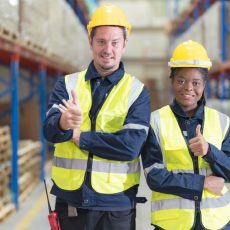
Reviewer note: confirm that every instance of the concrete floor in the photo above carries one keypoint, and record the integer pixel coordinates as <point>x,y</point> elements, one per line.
<point>32,214</point>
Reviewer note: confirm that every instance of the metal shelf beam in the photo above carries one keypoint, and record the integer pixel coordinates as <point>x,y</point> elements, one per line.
<point>42,94</point>
<point>14,67</point>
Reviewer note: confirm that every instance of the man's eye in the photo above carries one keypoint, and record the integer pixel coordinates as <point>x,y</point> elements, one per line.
<point>100,42</point>
<point>115,43</point>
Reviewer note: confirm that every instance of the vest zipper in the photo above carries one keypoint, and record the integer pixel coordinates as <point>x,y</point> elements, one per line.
<point>93,128</point>
<point>196,171</point>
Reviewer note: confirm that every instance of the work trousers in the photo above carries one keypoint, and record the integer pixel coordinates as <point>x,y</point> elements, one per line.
<point>84,219</point>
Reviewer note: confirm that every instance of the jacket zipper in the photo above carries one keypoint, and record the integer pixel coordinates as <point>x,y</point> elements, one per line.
<point>196,171</point>
<point>93,128</point>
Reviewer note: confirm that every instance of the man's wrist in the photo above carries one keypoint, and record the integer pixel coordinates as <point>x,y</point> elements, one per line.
<point>76,136</point>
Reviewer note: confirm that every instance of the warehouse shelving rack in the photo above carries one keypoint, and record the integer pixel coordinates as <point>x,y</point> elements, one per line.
<point>83,9</point>
<point>222,70</point>
<point>16,57</point>
<point>195,10</point>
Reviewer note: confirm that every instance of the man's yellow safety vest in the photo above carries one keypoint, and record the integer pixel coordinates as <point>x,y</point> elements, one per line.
<point>172,212</point>
<point>70,162</point>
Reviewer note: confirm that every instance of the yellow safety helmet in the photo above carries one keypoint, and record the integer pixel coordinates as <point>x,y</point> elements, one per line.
<point>108,15</point>
<point>190,54</point>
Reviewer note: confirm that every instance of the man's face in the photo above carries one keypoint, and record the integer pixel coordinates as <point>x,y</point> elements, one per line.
<point>107,47</point>
<point>188,87</point>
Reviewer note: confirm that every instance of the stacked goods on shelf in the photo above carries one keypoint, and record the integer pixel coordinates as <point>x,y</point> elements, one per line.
<point>50,28</point>
<point>6,206</point>
<point>207,30</point>
<point>29,126</point>
<point>32,23</point>
<point>66,38</point>
<point>73,32</point>
<point>9,19</point>
<point>212,32</point>
<point>29,167</point>
<point>54,39</point>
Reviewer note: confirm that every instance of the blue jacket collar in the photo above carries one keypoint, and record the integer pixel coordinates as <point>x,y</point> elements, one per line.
<point>92,73</point>
<point>199,114</point>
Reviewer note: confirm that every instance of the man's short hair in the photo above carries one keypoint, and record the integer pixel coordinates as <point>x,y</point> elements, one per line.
<point>93,31</point>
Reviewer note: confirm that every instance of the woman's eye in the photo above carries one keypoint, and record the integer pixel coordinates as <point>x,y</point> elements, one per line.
<point>180,82</point>
<point>195,83</point>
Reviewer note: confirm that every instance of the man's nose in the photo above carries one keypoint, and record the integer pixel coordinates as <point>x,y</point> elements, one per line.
<point>108,47</point>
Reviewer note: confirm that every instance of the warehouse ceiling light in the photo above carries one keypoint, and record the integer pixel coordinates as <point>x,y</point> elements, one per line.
<point>13,2</point>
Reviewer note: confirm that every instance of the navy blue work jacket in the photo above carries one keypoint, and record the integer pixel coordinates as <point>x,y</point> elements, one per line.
<point>122,145</point>
<point>186,185</point>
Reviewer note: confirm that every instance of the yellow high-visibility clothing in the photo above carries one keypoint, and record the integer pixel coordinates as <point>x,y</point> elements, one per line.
<point>70,162</point>
<point>173,212</point>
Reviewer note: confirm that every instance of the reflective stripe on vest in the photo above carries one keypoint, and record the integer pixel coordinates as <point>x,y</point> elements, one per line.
<point>70,162</point>
<point>173,212</point>
<point>182,203</point>
<point>98,166</point>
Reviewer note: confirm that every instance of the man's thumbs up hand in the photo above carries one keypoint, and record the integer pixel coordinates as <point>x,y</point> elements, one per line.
<point>198,132</point>
<point>71,117</point>
<point>198,145</point>
<point>75,98</point>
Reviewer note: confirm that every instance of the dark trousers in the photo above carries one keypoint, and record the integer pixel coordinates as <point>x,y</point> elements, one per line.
<point>95,220</point>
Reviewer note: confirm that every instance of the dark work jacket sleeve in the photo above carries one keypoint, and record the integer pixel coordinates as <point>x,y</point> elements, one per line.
<point>219,160</point>
<point>125,144</point>
<point>186,185</point>
<point>51,129</point>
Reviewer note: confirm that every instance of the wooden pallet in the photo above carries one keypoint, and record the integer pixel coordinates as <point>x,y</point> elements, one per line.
<point>24,181</point>
<point>33,46</point>
<point>4,185</point>
<point>5,155</point>
<point>5,144</point>
<point>6,211</point>
<point>32,165</point>
<point>4,130</point>
<point>5,140</point>
<point>24,194</point>
<point>56,58</point>
<point>28,147</point>
<point>9,35</point>
<point>5,168</point>
<point>29,157</point>
<point>5,200</point>
<point>6,208</point>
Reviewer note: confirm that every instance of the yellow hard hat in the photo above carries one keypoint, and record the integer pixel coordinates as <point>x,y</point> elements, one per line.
<point>190,54</point>
<point>108,15</point>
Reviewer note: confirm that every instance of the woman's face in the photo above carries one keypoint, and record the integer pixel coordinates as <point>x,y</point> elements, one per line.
<point>188,86</point>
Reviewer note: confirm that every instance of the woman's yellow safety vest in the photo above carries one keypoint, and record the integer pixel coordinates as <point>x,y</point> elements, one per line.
<point>172,212</point>
<point>70,162</point>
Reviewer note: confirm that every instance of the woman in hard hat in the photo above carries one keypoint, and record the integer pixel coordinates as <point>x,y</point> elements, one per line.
<point>96,167</point>
<point>187,155</point>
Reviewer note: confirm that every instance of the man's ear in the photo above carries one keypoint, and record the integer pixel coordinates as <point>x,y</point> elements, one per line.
<point>90,42</point>
<point>125,43</point>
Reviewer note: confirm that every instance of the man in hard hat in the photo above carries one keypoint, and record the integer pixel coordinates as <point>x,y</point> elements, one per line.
<point>99,120</point>
<point>187,154</point>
